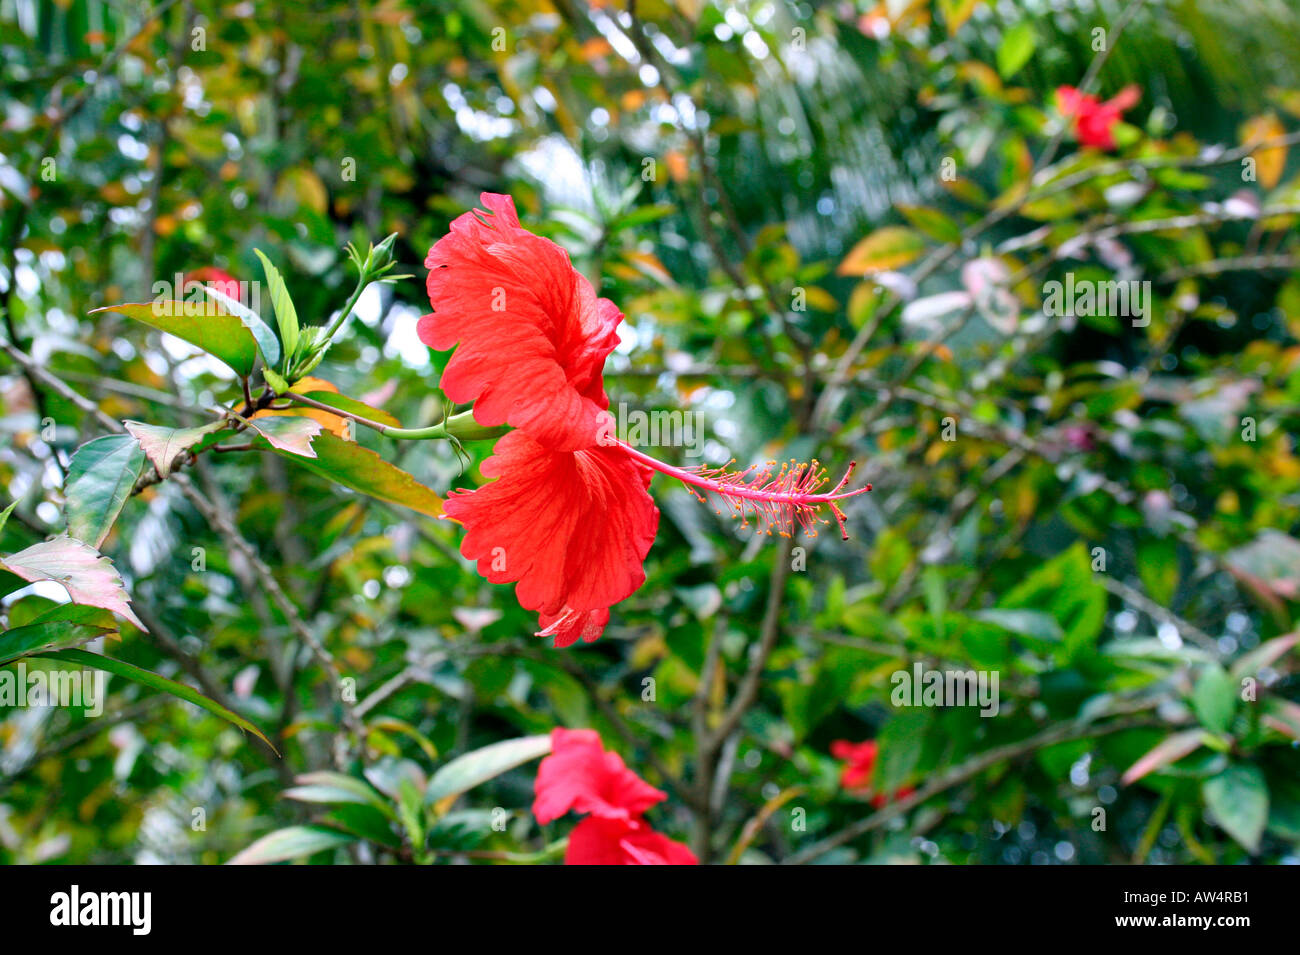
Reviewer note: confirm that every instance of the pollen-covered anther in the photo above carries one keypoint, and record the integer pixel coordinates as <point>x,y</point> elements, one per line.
<point>780,498</point>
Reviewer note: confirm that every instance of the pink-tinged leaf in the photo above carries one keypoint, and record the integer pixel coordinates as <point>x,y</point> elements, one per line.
<point>1169,750</point>
<point>1271,560</point>
<point>88,576</point>
<point>379,397</point>
<point>927,312</point>
<point>987,281</point>
<point>1266,654</point>
<point>292,843</point>
<point>1283,716</point>
<point>291,433</point>
<point>163,446</point>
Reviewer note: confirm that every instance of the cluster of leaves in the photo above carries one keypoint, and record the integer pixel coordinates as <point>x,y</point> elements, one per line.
<point>831,230</point>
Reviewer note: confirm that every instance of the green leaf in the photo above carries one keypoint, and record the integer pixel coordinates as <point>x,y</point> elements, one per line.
<point>1067,588</point>
<point>163,446</point>
<point>76,613</point>
<point>364,821</point>
<point>24,641</point>
<point>213,438</point>
<point>276,381</point>
<point>410,812</point>
<point>9,582</point>
<point>642,216</point>
<point>1028,623</point>
<point>936,597</point>
<point>101,476</point>
<point>261,332</point>
<point>88,576</point>
<point>807,702</point>
<point>1158,568</point>
<point>1149,648</point>
<point>392,724</point>
<point>154,681</point>
<point>467,771</point>
<point>4,515</point>
<point>1238,800</point>
<point>932,222</point>
<point>901,741</point>
<point>331,787</point>
<point>1016,48</point>
<point>291,843</point>
<point>351,465</point>
<point>286,316</point>
<point>1214,698</point>
<point>219,334</point>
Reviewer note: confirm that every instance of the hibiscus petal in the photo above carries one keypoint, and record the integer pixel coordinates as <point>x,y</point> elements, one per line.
<point>859,760</point>
<point>611,842</point>
<point>1125,99</point>
<point>571,528</point>
<point>570,626</point>
<point>580,775</point>
<point>648,847</point>
<point>533,336</point>
<point>1071,100</point>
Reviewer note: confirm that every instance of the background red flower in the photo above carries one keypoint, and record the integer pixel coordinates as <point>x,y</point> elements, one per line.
<point>580,775</point>
<point>859,765</point>
<point>1094,121</point>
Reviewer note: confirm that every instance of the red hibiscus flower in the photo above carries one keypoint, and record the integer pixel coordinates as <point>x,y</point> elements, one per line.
<point>859,763</point>
<point>222,281</point>
<point>1094,121</point>
<point>568,518</point>
<point>580,775</point>
<point>533,335</point>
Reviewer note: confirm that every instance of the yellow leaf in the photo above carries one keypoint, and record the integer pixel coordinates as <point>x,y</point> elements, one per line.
<point>305,186</point>
<point>678,168</point>
<point>330,422</point>
<point>114,193</point>
<point>957,12</point>
<point>821,299</point>
<point>1269,162</point>
<point>596,48</point>
<point>648,263</point>
<point>887,248</point>
<point>863,302</point>
<point>689,9</point>
<point>983,77</point>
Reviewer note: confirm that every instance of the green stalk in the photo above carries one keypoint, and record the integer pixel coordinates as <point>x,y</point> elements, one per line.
<point>462,427</point>
<point>344,315</point>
